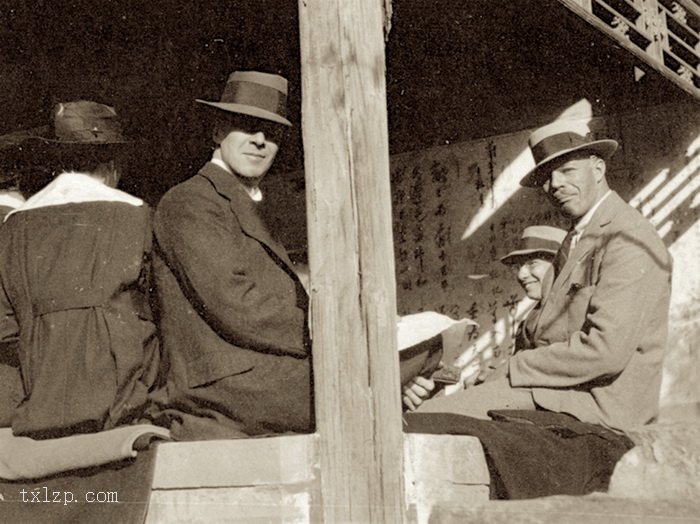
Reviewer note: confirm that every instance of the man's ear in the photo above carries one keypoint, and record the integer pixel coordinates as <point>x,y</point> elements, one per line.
<point>599,168</point>
<point>218,135</point>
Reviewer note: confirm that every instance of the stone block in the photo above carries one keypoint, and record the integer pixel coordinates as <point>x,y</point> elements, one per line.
<point>283,504</point>
<point>443,470</point>
<point>590,509</point>
<point>227,463</point>
<point>664,464</point>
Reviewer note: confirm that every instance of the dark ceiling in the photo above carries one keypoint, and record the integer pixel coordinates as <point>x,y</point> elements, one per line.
<point>455,70</point>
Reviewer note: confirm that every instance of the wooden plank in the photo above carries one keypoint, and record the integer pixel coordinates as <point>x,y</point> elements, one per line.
<point>353,296</point>
<point>229,463</point>
<point>656,22</point>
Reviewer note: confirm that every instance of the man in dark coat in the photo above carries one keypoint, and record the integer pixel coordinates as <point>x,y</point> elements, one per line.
<point>233,311</point>
<point>74,272</point>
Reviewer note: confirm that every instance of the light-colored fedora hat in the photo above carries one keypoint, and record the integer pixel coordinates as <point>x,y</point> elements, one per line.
<point>536,239</point>
<point>262,95</point>
<point>81,123</point>
<point>561,138</point>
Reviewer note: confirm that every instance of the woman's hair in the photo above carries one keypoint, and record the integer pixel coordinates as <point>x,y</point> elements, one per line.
<point>85,159</point>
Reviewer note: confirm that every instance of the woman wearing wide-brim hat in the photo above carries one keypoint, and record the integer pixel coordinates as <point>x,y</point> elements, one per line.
<point>73,262</point>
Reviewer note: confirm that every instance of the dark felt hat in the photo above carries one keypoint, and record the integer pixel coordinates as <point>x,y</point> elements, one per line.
<point>536,239</point>
<point>561,138</point>
<point>13,143</point>
<point>82,123</point>
<point>262,95</point>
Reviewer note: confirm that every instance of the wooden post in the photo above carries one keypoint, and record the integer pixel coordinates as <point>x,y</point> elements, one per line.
<point>353,295</point>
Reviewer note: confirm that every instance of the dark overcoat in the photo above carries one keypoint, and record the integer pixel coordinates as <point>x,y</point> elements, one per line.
<point>74,294</point>
<point>233,313</point>
<point>11,391</point>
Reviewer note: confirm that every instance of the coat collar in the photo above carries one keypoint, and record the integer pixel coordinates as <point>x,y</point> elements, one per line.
<point>591,236</point>
<point>244,208</point>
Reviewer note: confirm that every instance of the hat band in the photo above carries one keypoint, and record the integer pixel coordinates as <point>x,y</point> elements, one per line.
<point>256,95</point>
<point>539,244</point>
<point>554,144</point>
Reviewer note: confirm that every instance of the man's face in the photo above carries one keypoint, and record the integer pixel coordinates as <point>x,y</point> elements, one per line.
<point>575,184</point>
<point>535,275</point>
<point>249,152</point>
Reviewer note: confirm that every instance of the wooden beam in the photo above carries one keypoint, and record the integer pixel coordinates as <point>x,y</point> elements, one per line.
<point>353,295</point>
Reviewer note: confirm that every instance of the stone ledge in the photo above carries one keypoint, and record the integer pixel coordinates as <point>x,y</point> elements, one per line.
<point>443,470</point>
<point>229,463</point>
<point>664,464</point>
<point>225,505</point>
<point>590,509</point>
<point>276,479</point>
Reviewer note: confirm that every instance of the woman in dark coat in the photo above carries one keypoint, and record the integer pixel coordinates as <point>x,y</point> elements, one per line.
<point>74,273</point>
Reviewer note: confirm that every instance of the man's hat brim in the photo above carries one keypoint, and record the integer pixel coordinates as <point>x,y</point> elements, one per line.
<point>247,110</point>
<point>512,257</point>
<point>603,148</point>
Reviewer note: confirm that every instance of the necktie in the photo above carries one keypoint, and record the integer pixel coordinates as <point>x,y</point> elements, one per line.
<point>563,254</point>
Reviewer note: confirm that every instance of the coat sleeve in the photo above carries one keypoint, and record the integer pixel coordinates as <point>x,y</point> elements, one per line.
<point>634,277</point>
<point>212,263</point>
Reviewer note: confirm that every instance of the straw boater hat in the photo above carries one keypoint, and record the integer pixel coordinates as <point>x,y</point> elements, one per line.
<point>262,95</point>
<point>80,124</point>
<point>561,138</point>
<point>536,239</point>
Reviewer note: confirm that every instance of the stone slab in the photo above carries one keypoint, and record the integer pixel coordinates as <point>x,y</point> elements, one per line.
<point>288,504</point>
<point>590,509</point>
<point>228,463</point>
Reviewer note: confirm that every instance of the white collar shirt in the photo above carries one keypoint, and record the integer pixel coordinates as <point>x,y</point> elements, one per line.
<point>253,192</point>
<point>585,220</point>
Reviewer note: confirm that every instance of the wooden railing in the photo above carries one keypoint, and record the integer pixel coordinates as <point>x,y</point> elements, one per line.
<point>663,33</point>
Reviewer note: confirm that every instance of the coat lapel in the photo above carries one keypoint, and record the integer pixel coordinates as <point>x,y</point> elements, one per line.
<point>244,208</point>
<point>591,237</point>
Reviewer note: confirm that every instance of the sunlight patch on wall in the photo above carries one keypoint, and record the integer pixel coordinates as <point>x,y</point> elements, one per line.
<point>508,181</point>
<point>484,348</point>
<point>665,194</point>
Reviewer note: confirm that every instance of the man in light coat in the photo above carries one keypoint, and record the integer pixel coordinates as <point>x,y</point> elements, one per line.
<point>601,335</point>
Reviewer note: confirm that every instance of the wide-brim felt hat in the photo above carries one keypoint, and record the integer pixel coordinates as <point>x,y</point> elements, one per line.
<point>80,124</point>
<point>12,144</point>
<point>563,137</point>
<point>536,239</point>
<point>256,94</point>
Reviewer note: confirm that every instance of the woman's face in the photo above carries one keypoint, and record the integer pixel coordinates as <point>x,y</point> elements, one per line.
<point>535,275</point>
